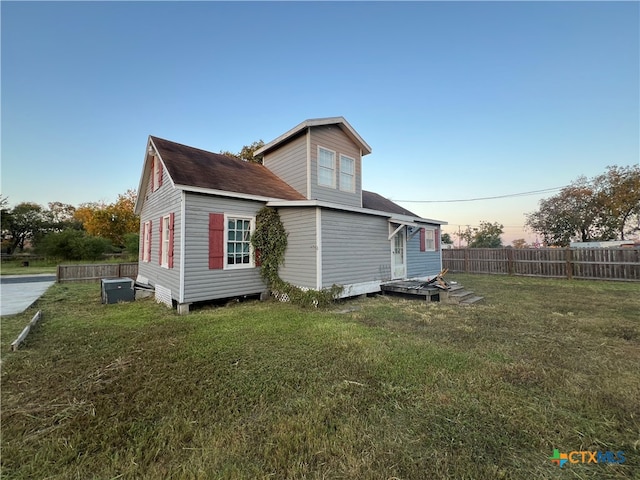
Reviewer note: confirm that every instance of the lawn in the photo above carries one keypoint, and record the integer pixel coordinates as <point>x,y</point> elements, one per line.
<point>374,388</point>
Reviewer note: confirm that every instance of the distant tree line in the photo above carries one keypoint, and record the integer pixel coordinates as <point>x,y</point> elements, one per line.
<point>606,207</point>
<point>71,233</point>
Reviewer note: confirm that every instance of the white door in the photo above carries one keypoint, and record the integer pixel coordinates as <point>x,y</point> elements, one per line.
<point>398,248</point>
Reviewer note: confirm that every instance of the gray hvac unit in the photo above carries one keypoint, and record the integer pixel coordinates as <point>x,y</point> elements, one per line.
<point>116,290</point>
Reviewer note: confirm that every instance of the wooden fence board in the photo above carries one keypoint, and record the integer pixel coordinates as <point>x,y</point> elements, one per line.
<point>95,272</point>
<point>588,263</point>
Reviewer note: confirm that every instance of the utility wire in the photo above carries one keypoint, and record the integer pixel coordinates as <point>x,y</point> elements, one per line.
<point>511,195</point>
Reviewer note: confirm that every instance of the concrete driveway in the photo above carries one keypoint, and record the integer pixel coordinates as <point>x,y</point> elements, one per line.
<point>18,292</point>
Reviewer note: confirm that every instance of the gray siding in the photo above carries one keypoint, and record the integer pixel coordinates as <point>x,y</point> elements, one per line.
<point>289,162</point>
<point>421,264</point>
<point>355,248</point>
<point>201,283</point>
<point>299,266</point>
<point>163,201</point>
<point>333,138</point>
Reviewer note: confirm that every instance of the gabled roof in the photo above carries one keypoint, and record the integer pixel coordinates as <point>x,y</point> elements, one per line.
<point>315,122</point>
<point>192,167</point>
<point>374,201</point>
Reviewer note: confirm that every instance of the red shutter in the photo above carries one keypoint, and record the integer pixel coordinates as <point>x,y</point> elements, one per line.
<point>216,241</point>
<point>153,171</point>
<point>423,242</point>
<point>171,220</point>
<point>150,237</point>
<point>258,262</point>
<point>160,174</point>
<point>160,244</point>
<point>436,238</point>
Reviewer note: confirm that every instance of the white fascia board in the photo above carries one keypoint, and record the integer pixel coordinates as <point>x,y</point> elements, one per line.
<point>367,211</point>
<point>144,177</point>
<point>317,122</point>
<point>137,208</point>
<point>226,193</point>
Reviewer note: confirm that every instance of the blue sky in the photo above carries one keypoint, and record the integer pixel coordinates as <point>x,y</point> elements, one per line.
<point>458,100</point>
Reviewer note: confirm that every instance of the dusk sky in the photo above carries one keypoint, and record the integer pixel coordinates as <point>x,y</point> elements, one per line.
<point>458,100</point>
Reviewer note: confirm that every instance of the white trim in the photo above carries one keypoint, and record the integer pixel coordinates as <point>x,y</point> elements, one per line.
<point>395,232</point>
<point>433,239</point>
<point>183,221</point>
<point>226,193</point>
<point>319,248</point>
<point>333,167</point>
<point>404,254</point>
<point>353,175</point>
<point>308,195</point>
<point>361,288</point>
<point>317,122</point>
<point>146,242</point>
<point>166,219</point>
<point>409,220</point>
<point>252,228</point>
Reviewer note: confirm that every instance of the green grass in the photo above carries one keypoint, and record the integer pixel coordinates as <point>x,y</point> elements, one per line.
<point>393,388</point>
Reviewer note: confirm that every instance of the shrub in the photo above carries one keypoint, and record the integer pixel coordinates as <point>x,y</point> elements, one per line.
<point>74,245</point>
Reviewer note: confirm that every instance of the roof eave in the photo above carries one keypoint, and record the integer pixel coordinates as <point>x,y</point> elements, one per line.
<point>316,122</point>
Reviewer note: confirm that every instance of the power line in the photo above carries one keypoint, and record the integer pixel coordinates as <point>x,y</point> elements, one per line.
<point>510,195</point>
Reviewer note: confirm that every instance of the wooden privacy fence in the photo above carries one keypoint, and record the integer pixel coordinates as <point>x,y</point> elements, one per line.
<point>586,263</point>
<point>93,273</point>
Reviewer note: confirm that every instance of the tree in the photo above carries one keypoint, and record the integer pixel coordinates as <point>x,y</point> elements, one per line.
<point>487,235</point>
<point>604,208</point>
<point>26,221</point>
<point>62,216</point>
<point>446,239</point>
<point>520,243</point>
<point>111,221</point>
<point>618,192</point>
<point>246,153</point>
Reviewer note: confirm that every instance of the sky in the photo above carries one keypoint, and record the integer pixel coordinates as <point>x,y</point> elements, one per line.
<point>458,100</point>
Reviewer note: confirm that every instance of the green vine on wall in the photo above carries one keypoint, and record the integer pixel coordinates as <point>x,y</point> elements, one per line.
<point>270,242</point>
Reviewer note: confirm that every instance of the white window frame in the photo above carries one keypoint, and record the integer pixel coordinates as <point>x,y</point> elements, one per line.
<point>429,239</point>
<point>352,176</point>
<point>146,242</point>
<point>252,228</point>
<point>165,238</point>
<point>332,169</point>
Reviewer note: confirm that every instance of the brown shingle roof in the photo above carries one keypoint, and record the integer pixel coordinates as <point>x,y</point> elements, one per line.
<point>378,202</point>
<point>198,168</point>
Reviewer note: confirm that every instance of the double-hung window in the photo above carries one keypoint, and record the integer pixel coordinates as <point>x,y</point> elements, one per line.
<point>238,244</point>
<point>146,242</point>
<point>347,174</point>
<point>166,240</point>
<point>429,240</point>
<point>326,168</point>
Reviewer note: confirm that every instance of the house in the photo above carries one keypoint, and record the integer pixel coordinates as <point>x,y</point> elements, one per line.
<point>198,208</point>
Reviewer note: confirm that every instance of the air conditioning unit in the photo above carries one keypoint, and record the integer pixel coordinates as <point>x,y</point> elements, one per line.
<point>116,290</point>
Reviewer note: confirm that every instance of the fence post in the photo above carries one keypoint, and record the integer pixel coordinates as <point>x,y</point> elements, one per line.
<point>58,273</point>
<point>569,260</point>
<point>466,260</point>
<point>119,270</point>
<point>510,261</point>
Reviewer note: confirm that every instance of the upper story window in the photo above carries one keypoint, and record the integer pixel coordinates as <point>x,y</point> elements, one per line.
<point>326,168</point>
<point>238,243</point>
<point>347,174</point>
